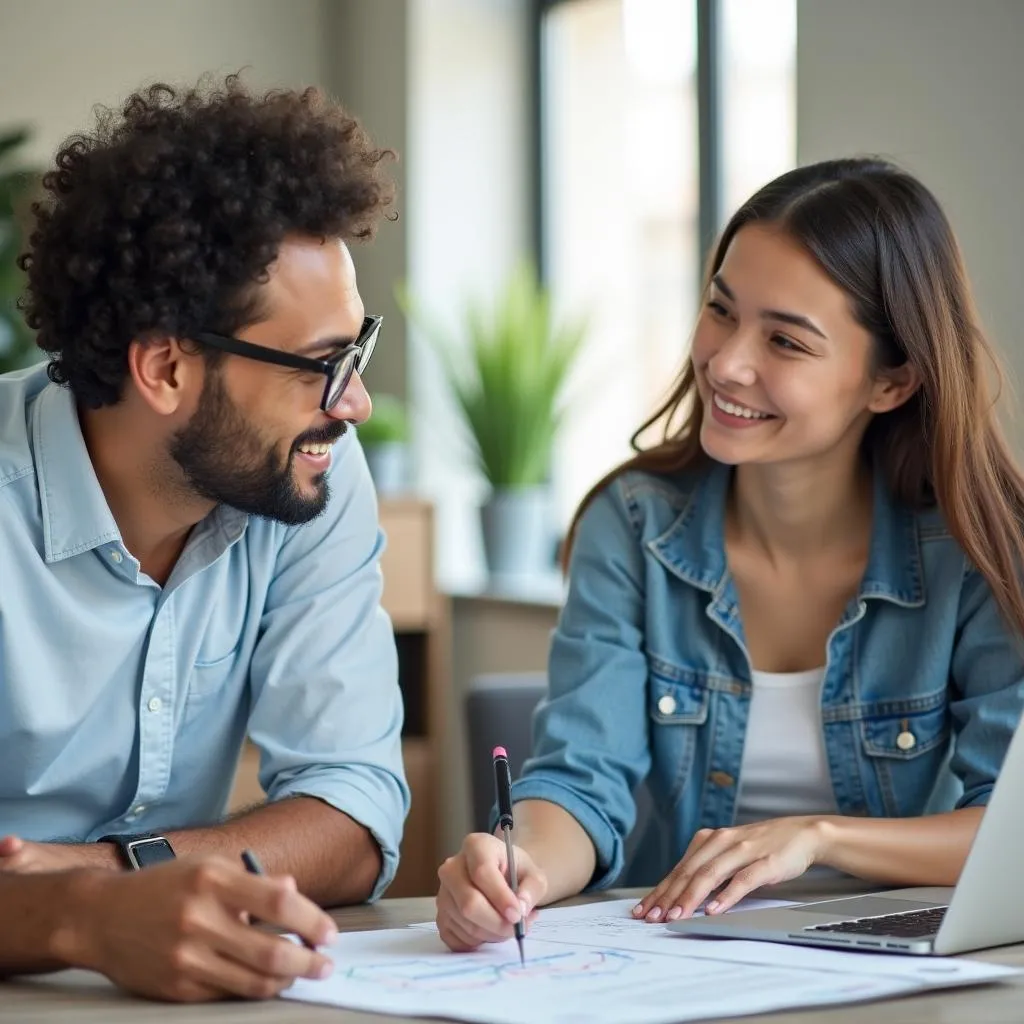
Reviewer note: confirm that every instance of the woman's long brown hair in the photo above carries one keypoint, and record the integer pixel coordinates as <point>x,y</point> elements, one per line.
<point>884,239</point>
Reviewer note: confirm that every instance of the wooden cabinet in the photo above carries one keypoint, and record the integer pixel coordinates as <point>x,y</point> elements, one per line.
<point>421,620</point>
<point>422,632</point>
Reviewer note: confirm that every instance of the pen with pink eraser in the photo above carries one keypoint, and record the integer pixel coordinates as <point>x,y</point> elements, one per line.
<point>503,791</point>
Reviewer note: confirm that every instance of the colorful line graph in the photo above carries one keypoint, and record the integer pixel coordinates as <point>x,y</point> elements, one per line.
<point>463,975</point>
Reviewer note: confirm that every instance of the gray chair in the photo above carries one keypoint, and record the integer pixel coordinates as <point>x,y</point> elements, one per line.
<point>499,712</point>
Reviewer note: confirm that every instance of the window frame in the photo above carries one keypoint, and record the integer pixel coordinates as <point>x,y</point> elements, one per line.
<point>709,129</point>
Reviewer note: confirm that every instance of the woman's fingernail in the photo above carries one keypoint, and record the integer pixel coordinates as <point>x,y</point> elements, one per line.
<point>638,910</point>
<point>524,909</point>
<point>512,915</point>
<point>326,970</point>
<point>712,907</point>
<point>654,914</point>
<point>674,914</point>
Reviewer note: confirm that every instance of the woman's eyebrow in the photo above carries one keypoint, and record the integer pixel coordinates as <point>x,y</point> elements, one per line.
<point>796,319</point>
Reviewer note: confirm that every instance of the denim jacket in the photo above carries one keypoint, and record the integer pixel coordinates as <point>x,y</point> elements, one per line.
<point>650,677</point>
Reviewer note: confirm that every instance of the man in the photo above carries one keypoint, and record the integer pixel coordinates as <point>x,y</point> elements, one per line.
<point>190,551</point>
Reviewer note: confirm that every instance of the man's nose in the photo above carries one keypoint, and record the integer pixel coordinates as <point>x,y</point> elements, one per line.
<point>354,406</point>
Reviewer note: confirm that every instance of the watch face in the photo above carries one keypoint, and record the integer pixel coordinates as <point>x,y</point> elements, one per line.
<point>143,853</point>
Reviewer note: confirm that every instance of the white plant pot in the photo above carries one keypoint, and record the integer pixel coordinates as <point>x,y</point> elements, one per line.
<point>517,533</point>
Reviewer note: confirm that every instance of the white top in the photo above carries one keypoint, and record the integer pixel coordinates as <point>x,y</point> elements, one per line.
<point>784,769</point>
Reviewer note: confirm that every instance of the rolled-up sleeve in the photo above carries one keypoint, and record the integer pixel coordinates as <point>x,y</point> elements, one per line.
<point>988,678</point>
<point>326,709</point>
<point>590,739</point>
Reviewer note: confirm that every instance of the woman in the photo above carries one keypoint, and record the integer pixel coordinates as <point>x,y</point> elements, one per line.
<point>799,615</point>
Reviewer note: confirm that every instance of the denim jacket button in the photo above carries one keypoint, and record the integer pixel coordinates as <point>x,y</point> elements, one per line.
<point>667,704</point>
<point>723,779</point>
<point>906,741</point>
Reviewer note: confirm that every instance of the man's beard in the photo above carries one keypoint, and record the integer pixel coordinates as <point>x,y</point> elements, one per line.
<point>224,460</point>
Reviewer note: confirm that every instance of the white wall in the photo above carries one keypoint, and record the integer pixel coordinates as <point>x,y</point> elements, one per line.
<point>938,86</point>
<point>60,57</point>
<point>468,220</point>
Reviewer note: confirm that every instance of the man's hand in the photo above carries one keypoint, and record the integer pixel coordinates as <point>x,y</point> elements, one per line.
<point>177,931</point>
<point>22,856</point>
<point>740,860</point>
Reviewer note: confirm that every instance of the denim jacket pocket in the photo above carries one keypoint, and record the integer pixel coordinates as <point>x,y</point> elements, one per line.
<point>678,705</point>
<point>906,742</point>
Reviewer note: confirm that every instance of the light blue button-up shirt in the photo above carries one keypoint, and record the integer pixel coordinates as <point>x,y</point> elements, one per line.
<point>123,704</point>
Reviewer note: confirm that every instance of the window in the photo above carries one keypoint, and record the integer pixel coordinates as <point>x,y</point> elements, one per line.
<point>619,177</point>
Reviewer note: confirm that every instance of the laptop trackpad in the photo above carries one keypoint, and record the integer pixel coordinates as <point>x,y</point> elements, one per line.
<point>863,906</point>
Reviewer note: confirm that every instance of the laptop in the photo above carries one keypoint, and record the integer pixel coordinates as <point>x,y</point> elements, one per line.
<point>986,908</point>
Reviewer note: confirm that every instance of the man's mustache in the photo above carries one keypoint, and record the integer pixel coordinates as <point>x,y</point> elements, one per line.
<point>326,436</point>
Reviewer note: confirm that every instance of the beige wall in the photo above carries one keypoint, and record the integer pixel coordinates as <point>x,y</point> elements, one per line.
<point>937,85</point>
<point>60,57</point>
<point>365,64</point>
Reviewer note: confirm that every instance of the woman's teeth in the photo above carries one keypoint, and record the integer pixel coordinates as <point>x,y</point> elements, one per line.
<point>739,410</point>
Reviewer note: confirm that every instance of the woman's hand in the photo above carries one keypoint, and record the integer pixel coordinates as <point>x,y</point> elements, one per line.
<point>740,860</point>
<point>475,904</point>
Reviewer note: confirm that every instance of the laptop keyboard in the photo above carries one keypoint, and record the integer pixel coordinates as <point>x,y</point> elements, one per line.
<point>911,924</point>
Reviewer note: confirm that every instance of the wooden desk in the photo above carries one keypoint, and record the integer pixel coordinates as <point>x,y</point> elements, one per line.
<point>84,998</point>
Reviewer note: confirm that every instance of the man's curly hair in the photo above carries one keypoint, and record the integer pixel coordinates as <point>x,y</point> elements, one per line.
<point>160,221</point>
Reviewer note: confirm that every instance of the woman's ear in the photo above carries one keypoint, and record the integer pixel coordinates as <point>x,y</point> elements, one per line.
<point>892,387</point>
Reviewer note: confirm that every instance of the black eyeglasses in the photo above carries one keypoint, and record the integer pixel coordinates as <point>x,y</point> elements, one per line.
<point>338,369</point>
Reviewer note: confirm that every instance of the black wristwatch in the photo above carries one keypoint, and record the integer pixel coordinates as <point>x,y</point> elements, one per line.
<point>141,850</point>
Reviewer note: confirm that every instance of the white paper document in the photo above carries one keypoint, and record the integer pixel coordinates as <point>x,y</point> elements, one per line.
<point>632,975</point>
<point>612,922</point>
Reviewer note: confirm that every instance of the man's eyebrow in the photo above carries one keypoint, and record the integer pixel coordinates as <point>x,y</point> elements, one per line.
<point>796,319</point>
<point>324,346</point>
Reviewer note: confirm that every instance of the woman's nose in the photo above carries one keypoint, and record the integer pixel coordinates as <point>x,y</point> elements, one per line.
<point>734,362</point>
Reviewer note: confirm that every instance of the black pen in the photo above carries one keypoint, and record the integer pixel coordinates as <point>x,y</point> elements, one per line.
<point>503,790</point>
<point>254,867</point>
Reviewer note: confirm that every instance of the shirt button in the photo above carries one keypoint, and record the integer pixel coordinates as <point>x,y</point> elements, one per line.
<point>116,555</point>
<point>155,704</point>
<point>723,779</point>
<point>667,705</point>
<point>906,741</point>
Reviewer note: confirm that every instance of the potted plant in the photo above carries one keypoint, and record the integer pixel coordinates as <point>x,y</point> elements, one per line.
<point>17,343</point>
<point>385,440</point>
<point>508,377</point>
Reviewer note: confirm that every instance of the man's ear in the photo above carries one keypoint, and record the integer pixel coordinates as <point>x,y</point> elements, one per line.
<point>892,387</point>
<point>164,374</point>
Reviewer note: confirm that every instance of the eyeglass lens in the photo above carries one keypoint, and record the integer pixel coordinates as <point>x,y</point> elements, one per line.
<point>355,359</point>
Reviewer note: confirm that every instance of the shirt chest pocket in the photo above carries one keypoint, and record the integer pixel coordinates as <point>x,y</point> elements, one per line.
<point>678,700</point>
<point>212,674</point>
<point>906,743</point>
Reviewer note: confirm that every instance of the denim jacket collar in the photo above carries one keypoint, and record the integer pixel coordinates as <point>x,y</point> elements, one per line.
<point>693,547</point>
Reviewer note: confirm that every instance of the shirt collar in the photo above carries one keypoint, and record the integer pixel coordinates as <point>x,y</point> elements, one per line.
<point>75,513</point>
<point>693,547</point>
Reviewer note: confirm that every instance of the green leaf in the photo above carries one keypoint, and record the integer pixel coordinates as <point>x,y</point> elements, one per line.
<point>388,422</point>
<point>507,375</point>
